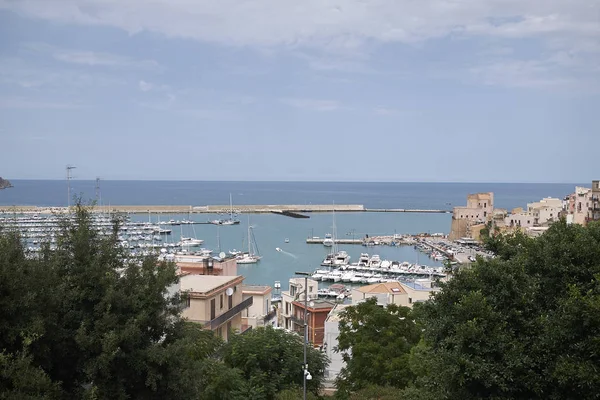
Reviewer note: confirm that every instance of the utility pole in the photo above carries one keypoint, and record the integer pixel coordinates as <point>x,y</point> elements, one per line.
<point>305,372</point>
<point>69,177</point>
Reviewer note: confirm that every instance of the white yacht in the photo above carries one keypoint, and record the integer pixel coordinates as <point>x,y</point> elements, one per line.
<point>188,241</point>
<point>328,241</point>
<point>341,258</point>
<point>363,260</point>
<point>374,261</point>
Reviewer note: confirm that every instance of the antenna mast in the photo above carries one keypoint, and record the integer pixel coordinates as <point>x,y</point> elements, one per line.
<point>69,177</point>
<point>98,193</point>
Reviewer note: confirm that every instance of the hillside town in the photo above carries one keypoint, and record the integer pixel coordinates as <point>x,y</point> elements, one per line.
<point>579,207</point>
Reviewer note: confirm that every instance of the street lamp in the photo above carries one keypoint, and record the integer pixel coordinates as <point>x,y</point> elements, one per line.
<point>306,374</point>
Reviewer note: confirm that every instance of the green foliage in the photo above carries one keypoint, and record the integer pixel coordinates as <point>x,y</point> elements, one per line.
<point>523,325</point>
<point>376,343</point>
<point>294,394</point>
<point>96,323</point>
<point>271,360</point>
<point>21,380</point>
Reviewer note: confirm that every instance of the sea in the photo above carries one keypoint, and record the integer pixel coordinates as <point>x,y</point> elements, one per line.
<point>271,231</point>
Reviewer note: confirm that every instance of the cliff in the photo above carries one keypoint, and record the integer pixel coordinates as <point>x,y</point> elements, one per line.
<point>5,183</point>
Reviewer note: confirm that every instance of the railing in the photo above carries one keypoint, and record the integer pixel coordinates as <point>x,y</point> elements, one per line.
<point>227,315</point>
<point>297,320</point>
<point>270,315</point>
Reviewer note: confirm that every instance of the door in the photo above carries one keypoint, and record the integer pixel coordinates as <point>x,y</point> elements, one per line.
<point>212,309</point>
<point>230,301</point>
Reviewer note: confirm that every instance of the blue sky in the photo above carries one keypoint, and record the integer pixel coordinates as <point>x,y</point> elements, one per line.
<point>354,90</point>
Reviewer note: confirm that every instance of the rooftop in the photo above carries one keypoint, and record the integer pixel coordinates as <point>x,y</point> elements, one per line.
<point>388,287</point>
<point>317,304</point>
<point>257,289</point>
<point>334,314</point>
<point>204,283</point>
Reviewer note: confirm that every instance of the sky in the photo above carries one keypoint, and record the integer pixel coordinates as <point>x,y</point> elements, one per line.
<point>352,90</point>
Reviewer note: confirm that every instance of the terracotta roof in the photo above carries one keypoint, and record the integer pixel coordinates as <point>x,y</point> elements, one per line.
<point>387,287</point>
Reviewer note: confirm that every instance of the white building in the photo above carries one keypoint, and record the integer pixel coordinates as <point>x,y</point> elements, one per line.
<point>261,312</point>
<point>332,331</point>
<point>295,293</point>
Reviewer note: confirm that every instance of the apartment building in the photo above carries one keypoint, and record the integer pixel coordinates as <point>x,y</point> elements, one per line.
<point>318,310</point>
<point>261,312</point>
<point>295,292</point>
<point>215,302</point>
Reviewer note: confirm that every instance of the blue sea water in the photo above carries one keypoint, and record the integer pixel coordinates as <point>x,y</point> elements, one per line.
<point>369,194</point>
<point>271,230</point>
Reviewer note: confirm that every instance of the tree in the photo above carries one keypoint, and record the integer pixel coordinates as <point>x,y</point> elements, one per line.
<point>375,343</point>
<point>271,361</point>
<point>87,320</point>
<point>521,326</point>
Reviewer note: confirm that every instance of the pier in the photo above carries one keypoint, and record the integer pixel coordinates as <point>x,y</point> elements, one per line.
<point>291,210</point>
<point>317,240</point>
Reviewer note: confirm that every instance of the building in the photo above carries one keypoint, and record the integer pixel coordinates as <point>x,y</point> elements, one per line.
<point>385,293</point>
<point>215,302</point>
<point>583,205</point>
<point>401,294</point>
<point>479,210</point>
<point>295,292</point>
<point>206,265</point>
<point>545,211</point>
<point>261,312</point>
<point>594,207</point>
<point>318,310</point>
<point>332,331</point>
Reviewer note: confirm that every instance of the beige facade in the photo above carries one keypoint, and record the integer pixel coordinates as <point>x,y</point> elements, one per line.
<point>261,312</point>
<point>385,293</point>
<point>209,302</point>
<point>479,210</point>
<point>295,293</point>
<point>594,209</point>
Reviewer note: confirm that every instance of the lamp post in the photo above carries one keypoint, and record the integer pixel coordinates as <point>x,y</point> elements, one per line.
<point>305,373</point>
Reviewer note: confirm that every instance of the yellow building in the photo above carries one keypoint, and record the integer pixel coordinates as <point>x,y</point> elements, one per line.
<point>216,302</point>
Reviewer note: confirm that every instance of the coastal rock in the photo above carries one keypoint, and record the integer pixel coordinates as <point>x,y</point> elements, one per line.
<point>5,183</point>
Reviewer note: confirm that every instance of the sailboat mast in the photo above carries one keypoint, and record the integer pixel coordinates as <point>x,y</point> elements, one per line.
<point>249,240</point>
<point>230,208</point>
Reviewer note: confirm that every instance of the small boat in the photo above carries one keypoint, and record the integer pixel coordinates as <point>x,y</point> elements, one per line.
<point>328,241</point>
<point>253,255</point>
<point>278,249</point>
<point>287,240</point>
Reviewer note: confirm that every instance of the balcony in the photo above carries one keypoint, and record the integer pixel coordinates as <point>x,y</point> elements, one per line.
<point>297,321</point>
<point>270,315</point>
<point>227,315</point>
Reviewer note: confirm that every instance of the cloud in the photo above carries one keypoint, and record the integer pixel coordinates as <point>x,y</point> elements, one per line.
<point>333,24</point>
<point>92,58</point>
<point>16,71</point>
<point>24,103</point>
<point>312,104</point>
<point>380,110</point>
<point>336,35</point>
<point>145,86</point>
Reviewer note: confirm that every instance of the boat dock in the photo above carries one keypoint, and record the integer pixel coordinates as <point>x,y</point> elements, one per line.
<point>317,240</point>
<point>292,210</point>
<point>401,210</point>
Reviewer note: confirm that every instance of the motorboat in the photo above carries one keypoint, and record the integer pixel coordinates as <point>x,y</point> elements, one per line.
<point>328,241</point>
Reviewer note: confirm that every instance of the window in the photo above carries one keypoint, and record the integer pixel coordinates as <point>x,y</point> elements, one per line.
<point>230,301</point>
<point>410,300</point>
<point>221,301</point>
<point>310,289</point>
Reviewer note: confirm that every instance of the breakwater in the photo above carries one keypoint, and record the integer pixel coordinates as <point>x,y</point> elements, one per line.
<point>214,209</point>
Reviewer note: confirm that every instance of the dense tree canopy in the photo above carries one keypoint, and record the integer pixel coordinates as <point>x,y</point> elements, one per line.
<point>523,325</point>
<point>271,359</point>
<point>85,320</point>
<point>375,343</point>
